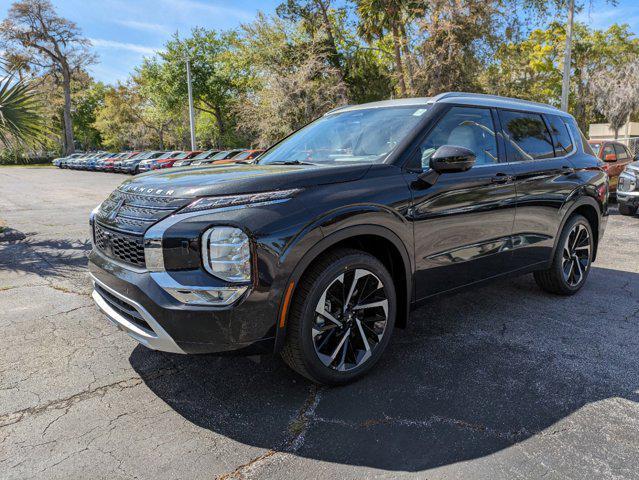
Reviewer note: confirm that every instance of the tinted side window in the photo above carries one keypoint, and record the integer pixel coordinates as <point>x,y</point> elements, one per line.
<point>527,136</point>
<point>560,135</point>
<point>468,127</point>
<point>622,154</point>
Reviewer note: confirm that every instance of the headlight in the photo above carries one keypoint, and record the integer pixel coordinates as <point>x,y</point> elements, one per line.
<point>209,203</point>
<point>226,254</point>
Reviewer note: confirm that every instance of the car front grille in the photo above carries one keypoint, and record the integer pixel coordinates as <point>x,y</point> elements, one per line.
<point>120,246</point>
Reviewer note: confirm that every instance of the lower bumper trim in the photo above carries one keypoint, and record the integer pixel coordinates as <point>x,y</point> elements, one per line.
<point>156,338</point>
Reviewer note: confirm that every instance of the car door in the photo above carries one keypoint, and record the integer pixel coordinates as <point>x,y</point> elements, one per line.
<point>462,221</point>
<point>544,180</point>
<point>609,157</point>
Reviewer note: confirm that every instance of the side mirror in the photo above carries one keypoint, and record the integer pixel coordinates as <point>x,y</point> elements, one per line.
<point>610,157</point>
<point>450,158</point>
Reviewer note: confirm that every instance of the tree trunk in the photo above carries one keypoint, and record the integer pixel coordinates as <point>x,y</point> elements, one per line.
<point>407,58</point>
<point>69,146</point>
<point>219,118</point>
<point>161,138</point>
<point>398,61</point>
<point>336,61</point>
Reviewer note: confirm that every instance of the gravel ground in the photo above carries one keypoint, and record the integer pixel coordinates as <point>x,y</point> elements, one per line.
<point>500,382</point>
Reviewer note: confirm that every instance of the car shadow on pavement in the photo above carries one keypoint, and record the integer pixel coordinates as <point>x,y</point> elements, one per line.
<point>472,374</point>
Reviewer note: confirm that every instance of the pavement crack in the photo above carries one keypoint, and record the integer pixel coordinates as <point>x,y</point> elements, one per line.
<point>297,429</point>
<point>67,403</point>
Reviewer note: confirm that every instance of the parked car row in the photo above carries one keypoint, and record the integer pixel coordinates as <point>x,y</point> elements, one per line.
<point>139,162</point>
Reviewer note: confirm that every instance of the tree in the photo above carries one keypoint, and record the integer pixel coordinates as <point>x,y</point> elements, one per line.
<point>616,93</point>
<point>20,119</point>
<point>316,15</point>
<point>216,82</point>
<point>531,68</point>
<point>291,79</point>
<point>377,17</point>
<point>49,43</point>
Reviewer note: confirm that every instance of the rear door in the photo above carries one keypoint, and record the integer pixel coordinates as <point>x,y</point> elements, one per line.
<point>539,148</point>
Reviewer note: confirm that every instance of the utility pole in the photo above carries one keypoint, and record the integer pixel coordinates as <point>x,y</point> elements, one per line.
<point>190,89</point>
<point>565,84</point>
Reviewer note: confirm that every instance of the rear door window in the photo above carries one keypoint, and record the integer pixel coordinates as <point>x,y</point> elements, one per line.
<point>527,136</point>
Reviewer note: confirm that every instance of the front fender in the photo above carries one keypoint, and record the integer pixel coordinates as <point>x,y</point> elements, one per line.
<point>329,230</point>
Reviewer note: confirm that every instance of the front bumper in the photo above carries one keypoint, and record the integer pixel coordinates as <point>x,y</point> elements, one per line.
<point>628,198</point>
<point>138,303</point>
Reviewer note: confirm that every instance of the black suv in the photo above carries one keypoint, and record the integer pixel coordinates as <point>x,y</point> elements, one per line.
<point>321,249</point>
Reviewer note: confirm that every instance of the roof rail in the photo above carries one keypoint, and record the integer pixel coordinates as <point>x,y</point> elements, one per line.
<point>337,108</point>
<point>444,95</point>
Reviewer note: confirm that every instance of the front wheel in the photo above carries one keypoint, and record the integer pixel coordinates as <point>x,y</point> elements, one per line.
<point>627,209</point>
<point>341,318</point>
<point>571,263</point>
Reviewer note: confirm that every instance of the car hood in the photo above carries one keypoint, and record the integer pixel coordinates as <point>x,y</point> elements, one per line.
<point>229,179</point>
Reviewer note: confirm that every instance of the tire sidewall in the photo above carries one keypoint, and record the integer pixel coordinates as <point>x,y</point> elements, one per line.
<point>578,219</point>
<point>311,360</point>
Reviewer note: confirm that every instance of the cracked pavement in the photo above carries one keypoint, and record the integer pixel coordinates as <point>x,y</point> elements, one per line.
<point>498,382</point>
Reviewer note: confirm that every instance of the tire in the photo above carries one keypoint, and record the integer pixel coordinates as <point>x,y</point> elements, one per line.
<point>311,337</point>
<point>572,259</point>
<point>627,209</point>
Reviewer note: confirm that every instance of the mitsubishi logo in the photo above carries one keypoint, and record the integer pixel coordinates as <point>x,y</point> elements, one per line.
<point>116,209</point>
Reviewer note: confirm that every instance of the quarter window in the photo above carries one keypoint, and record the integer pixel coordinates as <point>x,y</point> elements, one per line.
<point>468,127</point>
<point>560,135</point>
<point>527,135</point>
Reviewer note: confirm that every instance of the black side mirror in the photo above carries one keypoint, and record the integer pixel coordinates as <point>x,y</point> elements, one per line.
<point>450,158</point>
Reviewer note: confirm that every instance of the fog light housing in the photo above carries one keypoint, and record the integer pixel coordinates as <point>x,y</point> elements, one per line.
<point>226,254</point>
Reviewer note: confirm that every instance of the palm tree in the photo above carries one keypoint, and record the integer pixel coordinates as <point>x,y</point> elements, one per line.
<point>20,119</point>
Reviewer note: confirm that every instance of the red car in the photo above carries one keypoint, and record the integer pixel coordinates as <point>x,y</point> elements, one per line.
<point>109,163</point>
<point>167,161</point>
<point>615,156</point>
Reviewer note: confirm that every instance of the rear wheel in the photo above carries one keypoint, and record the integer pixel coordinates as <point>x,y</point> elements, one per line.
<point>341,318</point>
<point>571,263</point>
<point>627,209</point>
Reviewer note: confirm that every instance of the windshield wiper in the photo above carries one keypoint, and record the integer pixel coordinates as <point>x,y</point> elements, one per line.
<point>289,162</point>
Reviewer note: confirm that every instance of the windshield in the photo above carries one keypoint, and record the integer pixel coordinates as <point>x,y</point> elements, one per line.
<point>166,155</point>
<point>362,136</point>
<point>203,155</point>
<point>596,147</point>
<point>181,155</point>
<point>220,156</point>
<point>242,155</point>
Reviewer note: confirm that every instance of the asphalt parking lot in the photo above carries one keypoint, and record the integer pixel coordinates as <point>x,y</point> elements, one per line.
<point>500,382</point>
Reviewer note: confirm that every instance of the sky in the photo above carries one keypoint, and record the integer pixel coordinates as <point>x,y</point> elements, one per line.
<point>123,32</point>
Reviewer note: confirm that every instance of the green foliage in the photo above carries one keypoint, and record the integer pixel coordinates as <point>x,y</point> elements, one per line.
<point>20,118</point>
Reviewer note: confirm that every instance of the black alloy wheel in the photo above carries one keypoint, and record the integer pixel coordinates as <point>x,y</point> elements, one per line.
<point>341,318</point>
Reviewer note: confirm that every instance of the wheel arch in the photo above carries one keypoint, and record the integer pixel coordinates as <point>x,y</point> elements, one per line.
<point>588,208</point>
<point>376,240</point>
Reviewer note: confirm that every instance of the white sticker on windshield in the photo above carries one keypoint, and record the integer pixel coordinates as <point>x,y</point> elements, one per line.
<point>419,112</point>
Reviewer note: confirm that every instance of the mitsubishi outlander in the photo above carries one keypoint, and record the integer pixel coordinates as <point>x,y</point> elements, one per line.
<point>321,248</point>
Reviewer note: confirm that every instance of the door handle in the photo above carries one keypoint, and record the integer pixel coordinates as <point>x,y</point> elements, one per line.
<point>501,178</point>
<point>566,170</point>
